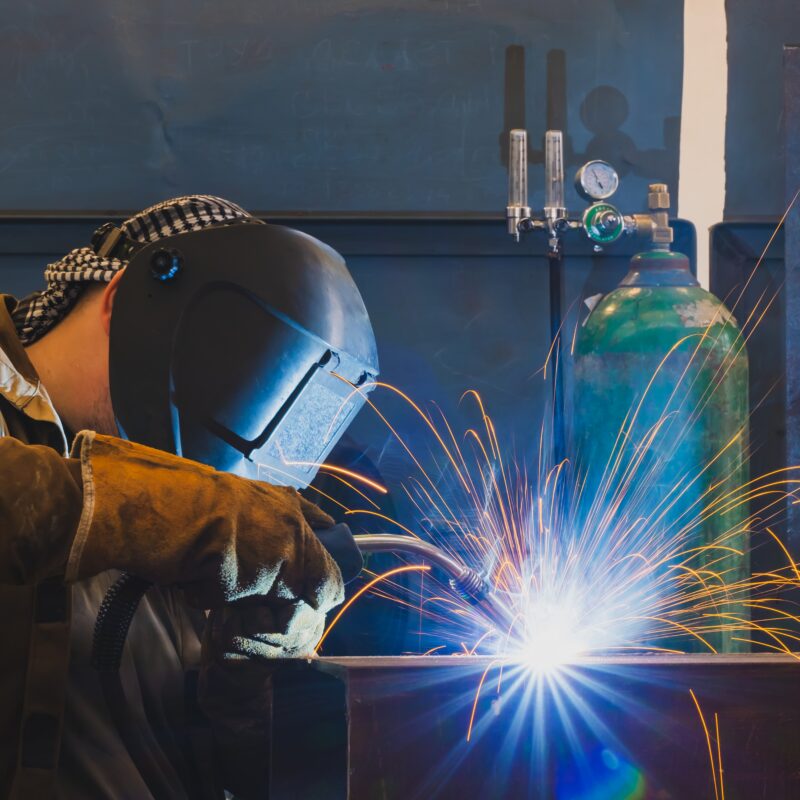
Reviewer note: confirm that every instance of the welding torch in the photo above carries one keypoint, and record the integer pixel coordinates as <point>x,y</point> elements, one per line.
<point>467,583</point>
<point>121,600</point>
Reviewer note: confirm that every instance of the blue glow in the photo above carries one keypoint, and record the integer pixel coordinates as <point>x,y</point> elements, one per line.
<point>604,775</point>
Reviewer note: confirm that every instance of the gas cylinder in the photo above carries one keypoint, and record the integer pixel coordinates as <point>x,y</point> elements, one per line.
<point>660,433</point>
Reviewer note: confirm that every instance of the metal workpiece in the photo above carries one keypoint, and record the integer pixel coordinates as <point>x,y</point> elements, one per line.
<point>626,726</point>
<point>466,582</point>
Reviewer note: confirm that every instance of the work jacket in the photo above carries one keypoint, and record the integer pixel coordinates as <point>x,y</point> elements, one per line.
<point>57,738</point>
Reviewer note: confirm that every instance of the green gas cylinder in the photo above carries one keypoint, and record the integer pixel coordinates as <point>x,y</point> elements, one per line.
<point>661,434</point>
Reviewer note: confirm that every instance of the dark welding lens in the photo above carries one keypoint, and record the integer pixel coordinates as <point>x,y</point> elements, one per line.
<point>165,264</point>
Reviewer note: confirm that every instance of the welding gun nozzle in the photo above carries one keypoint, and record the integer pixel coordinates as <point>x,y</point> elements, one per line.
<point>466,582</point>
<point>476,591</point>
<point>470,586</point>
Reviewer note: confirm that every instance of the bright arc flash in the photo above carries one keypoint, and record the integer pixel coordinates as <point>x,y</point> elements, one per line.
<point>552,636</point>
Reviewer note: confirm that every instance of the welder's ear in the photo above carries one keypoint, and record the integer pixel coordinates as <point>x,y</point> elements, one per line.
<point>108,301</point>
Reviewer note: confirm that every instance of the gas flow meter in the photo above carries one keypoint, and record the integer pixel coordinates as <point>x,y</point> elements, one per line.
<point>596,181</point>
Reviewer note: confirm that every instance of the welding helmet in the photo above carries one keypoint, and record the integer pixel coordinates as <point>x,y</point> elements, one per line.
<point>245,346</point>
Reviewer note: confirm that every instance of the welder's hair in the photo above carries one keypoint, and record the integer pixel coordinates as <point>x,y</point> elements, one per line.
<point>66,279</point>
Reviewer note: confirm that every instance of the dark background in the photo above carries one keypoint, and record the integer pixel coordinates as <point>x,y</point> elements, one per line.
<point>754,142</point>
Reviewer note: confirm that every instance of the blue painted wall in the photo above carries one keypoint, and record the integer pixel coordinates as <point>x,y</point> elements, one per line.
<point>757,32</point>
<point>328,104</point>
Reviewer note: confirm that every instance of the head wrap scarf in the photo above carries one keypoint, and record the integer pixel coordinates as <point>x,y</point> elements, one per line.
<point>66,279</point>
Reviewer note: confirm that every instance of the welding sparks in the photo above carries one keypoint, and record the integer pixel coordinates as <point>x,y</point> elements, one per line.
<point>604,563</point>
<point>634,557</point>
<point>714,752</point>
<point>587,576</point>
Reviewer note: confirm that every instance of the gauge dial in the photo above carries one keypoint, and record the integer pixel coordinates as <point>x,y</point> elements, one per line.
<point>596,180</point>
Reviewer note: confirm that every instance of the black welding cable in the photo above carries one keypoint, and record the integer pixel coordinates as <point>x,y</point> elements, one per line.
<point>122,599</point>
<point>110,632</point>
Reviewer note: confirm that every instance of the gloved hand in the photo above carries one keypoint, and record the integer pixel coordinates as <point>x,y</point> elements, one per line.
<point>253,629</point>
<point>220,537</point>
<point>266,628</point>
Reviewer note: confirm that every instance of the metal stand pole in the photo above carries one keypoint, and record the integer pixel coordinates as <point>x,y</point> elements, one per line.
<point>555,261</point>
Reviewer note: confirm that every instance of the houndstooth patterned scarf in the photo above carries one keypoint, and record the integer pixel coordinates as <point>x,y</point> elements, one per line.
<point>37,313</point>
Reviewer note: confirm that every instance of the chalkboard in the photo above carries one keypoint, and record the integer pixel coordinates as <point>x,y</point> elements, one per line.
<point>331,105</point>
<point>754,146</point>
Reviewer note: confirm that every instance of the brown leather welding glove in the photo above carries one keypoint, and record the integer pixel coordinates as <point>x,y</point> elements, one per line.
<point>220,537</point>
<point>255,629</point>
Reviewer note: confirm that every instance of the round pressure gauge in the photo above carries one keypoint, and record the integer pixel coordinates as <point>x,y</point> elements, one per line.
<point>596,180</point>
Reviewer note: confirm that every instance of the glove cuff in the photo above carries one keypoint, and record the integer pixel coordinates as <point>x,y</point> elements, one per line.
<point>82,448</point>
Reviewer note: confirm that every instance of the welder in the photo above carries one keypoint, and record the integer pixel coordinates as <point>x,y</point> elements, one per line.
<point>189,343</point>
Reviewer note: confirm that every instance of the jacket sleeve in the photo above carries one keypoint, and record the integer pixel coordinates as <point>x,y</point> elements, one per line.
<point>166,519</point>
<point>41,501</point>
<point>218,536</point>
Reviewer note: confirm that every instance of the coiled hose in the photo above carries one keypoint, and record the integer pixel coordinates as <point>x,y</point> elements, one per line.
<point>122,599</point>
<point>114,620</point>
<point>110,632</point>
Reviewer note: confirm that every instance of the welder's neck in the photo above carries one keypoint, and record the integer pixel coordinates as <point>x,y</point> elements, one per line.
<point>73,367</point>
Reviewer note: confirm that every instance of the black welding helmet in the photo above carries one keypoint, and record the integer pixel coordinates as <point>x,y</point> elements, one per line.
<point>244,346</point>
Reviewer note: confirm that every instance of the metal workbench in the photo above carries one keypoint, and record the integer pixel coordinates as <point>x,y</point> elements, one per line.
<point>621,727</point>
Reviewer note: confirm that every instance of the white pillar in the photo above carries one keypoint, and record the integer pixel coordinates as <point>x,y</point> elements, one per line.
<point>701,198</point>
